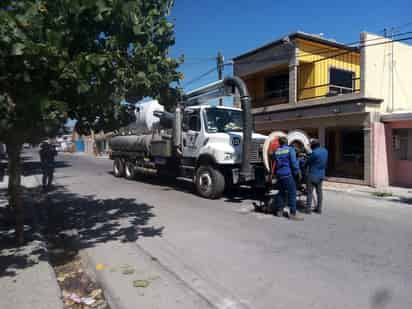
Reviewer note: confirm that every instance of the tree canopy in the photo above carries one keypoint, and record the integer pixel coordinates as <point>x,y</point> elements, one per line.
<point>79,59</point>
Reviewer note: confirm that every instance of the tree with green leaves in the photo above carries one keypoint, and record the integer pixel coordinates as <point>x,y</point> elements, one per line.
<point>78,59</point>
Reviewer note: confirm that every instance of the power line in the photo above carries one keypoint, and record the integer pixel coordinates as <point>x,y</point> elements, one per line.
<point>397,28</point>
<point>195,63</point>
<point>191,61</point>
<point>199,77</point>
<point>200,58</point>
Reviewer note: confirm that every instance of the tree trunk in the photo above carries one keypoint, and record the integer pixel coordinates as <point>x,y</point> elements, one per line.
<point>13,151</point>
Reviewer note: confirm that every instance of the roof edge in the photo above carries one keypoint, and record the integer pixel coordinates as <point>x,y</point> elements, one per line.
<point>297,35</point>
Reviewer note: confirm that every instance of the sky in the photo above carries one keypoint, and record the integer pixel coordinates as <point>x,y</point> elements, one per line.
<point>204,27</point>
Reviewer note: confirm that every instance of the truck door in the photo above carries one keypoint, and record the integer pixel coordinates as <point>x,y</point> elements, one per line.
<point>191,133</point>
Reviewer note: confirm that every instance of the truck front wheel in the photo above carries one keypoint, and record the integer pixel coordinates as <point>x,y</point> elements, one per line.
<point>209,182</point>
<point>118,167</point>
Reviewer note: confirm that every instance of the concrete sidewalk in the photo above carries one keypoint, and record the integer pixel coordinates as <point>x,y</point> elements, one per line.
<point>121,267</point>
<point>27,279</point>
<point>392,194</point>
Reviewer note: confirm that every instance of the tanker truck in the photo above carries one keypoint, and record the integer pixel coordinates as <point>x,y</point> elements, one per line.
<point>212,146</point>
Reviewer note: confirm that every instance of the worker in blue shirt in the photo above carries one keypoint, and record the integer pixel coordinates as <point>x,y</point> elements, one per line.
<point>286,169</point>
<point>317,163</point>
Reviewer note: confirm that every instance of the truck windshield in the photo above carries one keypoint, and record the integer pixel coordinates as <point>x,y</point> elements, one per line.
<point>223,120</point>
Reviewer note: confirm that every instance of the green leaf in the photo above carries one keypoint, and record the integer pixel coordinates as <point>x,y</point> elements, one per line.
<point>26,77</point>
<point>17,49</point>
<point>83,87</point>
<point>137,29</point>
<point>102,7</point>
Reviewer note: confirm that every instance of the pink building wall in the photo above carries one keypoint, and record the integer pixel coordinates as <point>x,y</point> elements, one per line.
<point>380,172</point>
<point>400,171</point>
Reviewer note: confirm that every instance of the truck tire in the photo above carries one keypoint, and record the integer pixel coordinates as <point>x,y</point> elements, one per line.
<point>129,171</point>
<point>209,182</point>
<point>118,167</point>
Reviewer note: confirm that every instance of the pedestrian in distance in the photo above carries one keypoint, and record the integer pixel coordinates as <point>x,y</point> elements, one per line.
<point>47,154</point>
<point>287,169</point>
<point>317,163</point>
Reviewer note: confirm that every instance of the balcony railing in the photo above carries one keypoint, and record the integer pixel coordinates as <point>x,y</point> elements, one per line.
<point>275,97</point>
<point>327,90</point>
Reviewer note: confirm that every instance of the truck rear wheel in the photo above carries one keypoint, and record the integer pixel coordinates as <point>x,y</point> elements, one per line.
<point>118,167</point>
<point>129,171</point>
<point>209,182</point>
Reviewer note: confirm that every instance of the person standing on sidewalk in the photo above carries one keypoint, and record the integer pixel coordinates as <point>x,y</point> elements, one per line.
<point>317,163</point>
<point>287,169</point>
<point>47,154</point>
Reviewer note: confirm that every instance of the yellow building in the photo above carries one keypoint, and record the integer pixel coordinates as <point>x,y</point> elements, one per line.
<point>307,82</point>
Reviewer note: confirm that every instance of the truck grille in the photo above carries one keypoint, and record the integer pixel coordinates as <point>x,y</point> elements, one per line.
<point>256,151</point>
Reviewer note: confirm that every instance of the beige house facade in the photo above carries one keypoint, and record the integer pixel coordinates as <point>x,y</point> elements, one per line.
<point>339,94</point>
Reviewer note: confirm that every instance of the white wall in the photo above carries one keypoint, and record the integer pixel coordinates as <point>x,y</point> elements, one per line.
<point>377,72</point>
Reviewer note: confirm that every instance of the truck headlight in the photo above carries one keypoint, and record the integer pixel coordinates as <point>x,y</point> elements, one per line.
<point>229,156</point>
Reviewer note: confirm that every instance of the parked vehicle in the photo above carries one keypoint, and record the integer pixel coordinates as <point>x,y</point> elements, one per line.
<point>213,146</point>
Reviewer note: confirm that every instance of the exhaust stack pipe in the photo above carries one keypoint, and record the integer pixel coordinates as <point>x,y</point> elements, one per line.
<point>239,84</point>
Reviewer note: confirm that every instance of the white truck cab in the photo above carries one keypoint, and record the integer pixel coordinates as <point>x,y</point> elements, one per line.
<point>216,131</point>
<point>212,144</point>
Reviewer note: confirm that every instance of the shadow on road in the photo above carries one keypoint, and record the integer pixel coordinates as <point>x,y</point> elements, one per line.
<point>236,195</point>
<point>89,221</point>
<point>167,183</point>
<point>66,217</point>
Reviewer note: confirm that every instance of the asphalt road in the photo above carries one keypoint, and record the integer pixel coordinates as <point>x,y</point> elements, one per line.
<point>358,254</point>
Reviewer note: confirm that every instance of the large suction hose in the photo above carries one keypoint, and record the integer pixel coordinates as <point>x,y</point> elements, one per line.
<point>239,84</point>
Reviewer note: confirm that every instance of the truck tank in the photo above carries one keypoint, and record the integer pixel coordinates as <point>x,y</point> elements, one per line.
<point>131,143</point>
<point>143,135</point>
<point>145,118</point>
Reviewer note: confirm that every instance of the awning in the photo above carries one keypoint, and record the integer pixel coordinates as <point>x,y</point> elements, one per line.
<point>397,117</point>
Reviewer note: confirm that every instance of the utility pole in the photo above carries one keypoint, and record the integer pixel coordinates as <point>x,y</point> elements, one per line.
<point>389,33</point>
<point>393,69</point>
<point>220,66</point>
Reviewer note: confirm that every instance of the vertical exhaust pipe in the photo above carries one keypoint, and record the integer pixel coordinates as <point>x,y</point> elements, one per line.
<point>177,128</point>
<point>239,84</point>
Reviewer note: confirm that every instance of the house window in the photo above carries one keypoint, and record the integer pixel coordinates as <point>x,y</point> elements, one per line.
<point>340,81</point>
<point>402,144</point>
<point>277,86</point>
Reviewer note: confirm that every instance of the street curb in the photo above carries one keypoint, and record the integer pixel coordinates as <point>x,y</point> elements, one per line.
<point>177,277</point>
<point>42,245</point>
<point>368,196</point>
<point>214,297</point>
<point>56,287</point>
<point>113,300</point>
<point>89,264</point>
